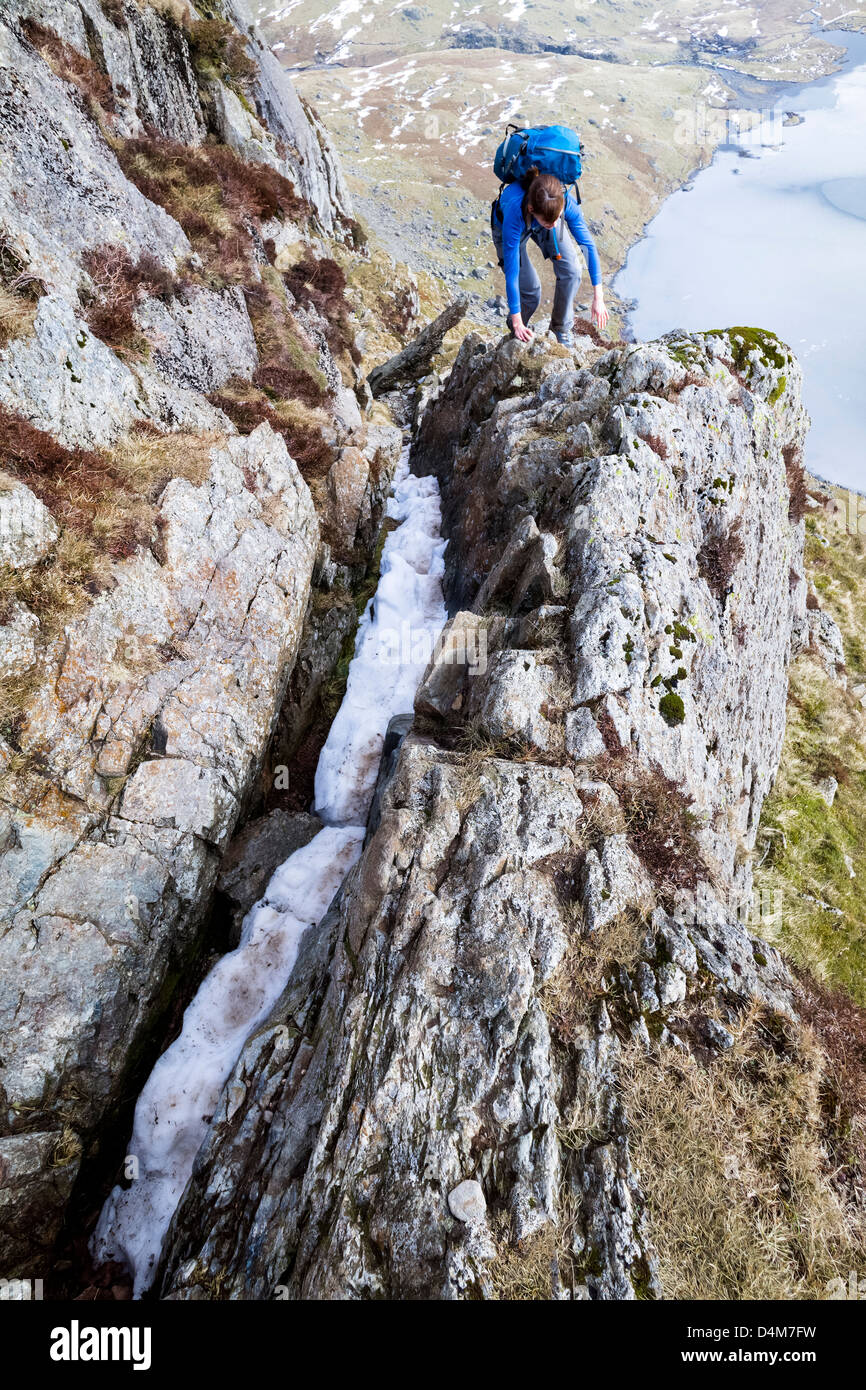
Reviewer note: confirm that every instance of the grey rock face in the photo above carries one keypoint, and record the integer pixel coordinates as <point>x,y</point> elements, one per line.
<point>104,886</point>
<point>295,141</point>
<point>142,53</point>
<point>63,191</point>
<point>419,1053</point>
<point>67,382</point>
<point>254,854</point>
<point>202,340</point>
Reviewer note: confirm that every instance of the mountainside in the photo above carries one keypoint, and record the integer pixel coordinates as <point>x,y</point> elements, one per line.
<point>418,96</point>
<point>190,500</point>
<point>552,1038</point>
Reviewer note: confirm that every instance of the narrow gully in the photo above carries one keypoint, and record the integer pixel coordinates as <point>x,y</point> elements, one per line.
<point>395,638</point>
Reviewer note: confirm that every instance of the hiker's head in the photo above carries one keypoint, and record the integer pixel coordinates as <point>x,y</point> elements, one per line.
<point>545,198</point>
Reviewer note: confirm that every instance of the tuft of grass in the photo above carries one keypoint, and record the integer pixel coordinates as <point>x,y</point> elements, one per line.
<point>659,820</point>
<point>585,976</point>
<point>176,10</point>
<point>656,443</point>
<point>528,1270</point>
<point>117,284</point>
<point>691,378</point>
<point>17,313</point>
<point>115,10</point>
<point>20,293</point>
<point>734,1170</point>
<point>92,84</point>
<point>719,556</point>
<point>795,473</point>
<point>587,329</point>
<point>219,51</point>
<point>321,283</point>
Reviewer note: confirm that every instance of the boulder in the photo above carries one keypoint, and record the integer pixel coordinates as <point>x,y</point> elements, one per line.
<point>28,531</point>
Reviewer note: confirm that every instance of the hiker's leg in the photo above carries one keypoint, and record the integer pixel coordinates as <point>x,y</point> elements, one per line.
<point>530,285</point>
<point>567,272</point>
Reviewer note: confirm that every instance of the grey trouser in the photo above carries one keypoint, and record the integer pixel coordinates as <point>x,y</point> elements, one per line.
<point>566,270</point>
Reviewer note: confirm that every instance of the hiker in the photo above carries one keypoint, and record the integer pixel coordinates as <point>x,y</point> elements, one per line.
<point>540,209</point>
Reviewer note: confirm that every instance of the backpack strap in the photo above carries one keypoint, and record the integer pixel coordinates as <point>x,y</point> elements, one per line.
<point>497,215</point>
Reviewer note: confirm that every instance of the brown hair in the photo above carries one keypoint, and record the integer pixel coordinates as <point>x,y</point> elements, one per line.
<point>545,197</point>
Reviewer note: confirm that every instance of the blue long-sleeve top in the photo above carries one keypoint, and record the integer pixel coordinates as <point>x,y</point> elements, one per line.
<point>514,229</point>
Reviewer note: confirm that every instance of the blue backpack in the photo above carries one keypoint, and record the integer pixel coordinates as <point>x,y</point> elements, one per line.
<point>552,149</point>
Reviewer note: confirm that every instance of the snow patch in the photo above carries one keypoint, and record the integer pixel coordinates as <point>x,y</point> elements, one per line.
<point>395,637</point>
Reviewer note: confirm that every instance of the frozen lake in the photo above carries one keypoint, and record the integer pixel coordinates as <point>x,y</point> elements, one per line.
<point>774,235</point>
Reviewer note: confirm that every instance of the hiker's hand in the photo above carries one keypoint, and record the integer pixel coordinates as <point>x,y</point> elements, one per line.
<point>600,316</point>
<point>520,330</point>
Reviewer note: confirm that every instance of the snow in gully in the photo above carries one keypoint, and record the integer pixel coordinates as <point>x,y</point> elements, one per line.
<point>395,637</point>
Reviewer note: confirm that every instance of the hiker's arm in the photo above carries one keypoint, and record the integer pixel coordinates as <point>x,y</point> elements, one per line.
<point>511,232</point>
<point>577,226</point>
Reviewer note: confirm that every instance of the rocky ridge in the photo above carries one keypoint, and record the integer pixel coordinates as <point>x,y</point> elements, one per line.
<point>557,871</point>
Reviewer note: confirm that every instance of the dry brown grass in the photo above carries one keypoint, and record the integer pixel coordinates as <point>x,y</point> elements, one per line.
<point>20,292</point>
<point>116,285</point>
<point>98,495</point>
<point>115,10</point>
<point>795,473</point>
<point>55,590</point>
<point>659,820</point>
<point>587,329</point>
<point>732,1164</point>
<point>93,85</point>
<point>586,975</point>
<point>527,1270</point>
<point>719,556</point>
<point>247,406</point>
<point>178,10</point>
<point>656,443</point>
<point>320,283</point>
<point>218,50</point>
<point>215,196</point>
<point>16,316</point>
